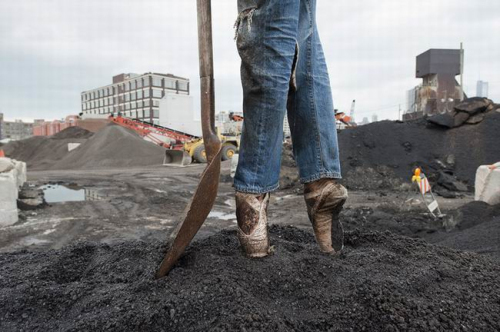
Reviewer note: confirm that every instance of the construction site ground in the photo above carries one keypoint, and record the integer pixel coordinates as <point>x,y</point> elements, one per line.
<point>145,203</point>
<point>89,265</point>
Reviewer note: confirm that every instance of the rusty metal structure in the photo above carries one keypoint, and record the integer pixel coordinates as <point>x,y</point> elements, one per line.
<point>439,91</point>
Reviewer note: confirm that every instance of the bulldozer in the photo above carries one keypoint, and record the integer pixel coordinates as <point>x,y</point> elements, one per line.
<point>194,151</point>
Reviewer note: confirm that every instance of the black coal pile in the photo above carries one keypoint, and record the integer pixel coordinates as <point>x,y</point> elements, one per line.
<point>474,226</point>
<point>470,111</point>
<point>383,282</point>
<point>387,151</point>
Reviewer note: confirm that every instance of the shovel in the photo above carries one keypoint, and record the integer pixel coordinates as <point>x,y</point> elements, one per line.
<point>204,197</point>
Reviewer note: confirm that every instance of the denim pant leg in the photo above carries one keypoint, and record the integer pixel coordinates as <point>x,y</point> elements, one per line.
<point>266,40</point>
<point>310,107</point>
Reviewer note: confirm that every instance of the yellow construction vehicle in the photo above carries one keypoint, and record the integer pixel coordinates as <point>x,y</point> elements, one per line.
<point>195,150</point>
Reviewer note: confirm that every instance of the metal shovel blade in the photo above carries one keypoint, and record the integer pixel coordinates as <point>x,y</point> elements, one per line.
<point>206,193</point>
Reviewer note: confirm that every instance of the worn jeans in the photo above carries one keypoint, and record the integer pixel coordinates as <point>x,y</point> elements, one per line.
<point>283,68</point>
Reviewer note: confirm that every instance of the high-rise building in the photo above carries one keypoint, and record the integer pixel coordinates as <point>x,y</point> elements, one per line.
<point>133,96</point>
<point>374,118</point>
<point>482,89</point>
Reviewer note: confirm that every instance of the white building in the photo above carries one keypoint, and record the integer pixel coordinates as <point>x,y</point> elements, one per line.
<point>133,96</point>
<point>482,89</point>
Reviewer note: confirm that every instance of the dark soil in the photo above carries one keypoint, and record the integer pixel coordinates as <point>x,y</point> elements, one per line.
<point>73,132</point>
<point>383,155</point>
<point>113,146</point>
<point>473,227</point>
<point>383,282</point>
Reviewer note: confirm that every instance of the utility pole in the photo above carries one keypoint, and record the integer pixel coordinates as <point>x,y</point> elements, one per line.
<point>462,70</point>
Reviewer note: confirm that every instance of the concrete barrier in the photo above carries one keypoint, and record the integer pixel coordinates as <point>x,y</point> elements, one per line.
<point>12,177</point>
<point>488,184</point>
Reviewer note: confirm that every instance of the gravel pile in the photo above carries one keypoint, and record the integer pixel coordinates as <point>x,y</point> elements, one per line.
<point>383,282</point>
<point>113,146</point>
<point>41,152</point>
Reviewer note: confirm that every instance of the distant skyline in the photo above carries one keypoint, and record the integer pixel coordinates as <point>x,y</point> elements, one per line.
<point>52,50</point>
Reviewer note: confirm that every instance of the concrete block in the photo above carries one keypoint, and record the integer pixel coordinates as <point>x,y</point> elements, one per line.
<point>488,184</point>
<point>8,198</point>
<point>8,217</point>
<point>6,164</point>
<point>20,167</point>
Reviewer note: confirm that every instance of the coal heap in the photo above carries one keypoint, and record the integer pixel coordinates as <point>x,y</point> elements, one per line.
<point>383,282</point>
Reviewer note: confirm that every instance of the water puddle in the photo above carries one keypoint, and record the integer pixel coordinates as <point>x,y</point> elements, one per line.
<point>56,193</point>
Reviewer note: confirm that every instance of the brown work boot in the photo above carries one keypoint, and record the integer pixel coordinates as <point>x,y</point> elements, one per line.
<point>251,212</point>
<point>324,200</point>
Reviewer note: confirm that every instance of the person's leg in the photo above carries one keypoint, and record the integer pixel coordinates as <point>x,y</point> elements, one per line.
<point>266,39</point>
<point>310,109</point>
<point>314,135</point>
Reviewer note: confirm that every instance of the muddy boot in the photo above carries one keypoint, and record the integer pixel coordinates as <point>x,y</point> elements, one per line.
<point>251,212</point>
<point>324,200</point>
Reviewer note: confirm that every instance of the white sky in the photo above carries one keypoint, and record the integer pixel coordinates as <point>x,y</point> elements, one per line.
<point>51,50</point>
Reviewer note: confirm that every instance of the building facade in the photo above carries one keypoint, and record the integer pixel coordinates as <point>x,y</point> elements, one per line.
<point>133,96</point>
<point>15,130</point>
<point>439,91</point>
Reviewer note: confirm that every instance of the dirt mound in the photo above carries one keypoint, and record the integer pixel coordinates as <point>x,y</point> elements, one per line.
<point>383,282</point>
<point>403,146</point>
<point>40,152</point>
<point>73,132</point>
<point>113,146</point>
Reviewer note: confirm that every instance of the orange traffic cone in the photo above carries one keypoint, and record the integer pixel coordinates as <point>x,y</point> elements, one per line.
<point>1,153</point>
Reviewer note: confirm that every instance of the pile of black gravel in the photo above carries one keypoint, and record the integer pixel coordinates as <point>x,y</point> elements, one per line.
<point>374,155</point>
<point>383,282</point>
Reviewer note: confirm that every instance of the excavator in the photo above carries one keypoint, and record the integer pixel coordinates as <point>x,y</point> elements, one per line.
<point>182,148</point>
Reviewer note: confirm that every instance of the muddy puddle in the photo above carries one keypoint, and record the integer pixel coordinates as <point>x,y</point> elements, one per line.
<point>57,193</point>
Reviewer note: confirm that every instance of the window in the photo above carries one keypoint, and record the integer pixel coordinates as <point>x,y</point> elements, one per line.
<point>132,96</point>
<point>147,103</point>
<point>139,83</point>
<point>147,114</point>
<point>139,104</point>
<point>146,81</point>
<point>182,85</point>
<point>112,90</point>
<point>157,81</point>
<point>156,113</point>
<point>139,94</point>
<point>133,105</point>
<point>127,97</point>
<point>157,93</point>
<point>170,84</point>
<point>125,86</point>
<point>146,93</point>
<point>156,103</point>
<point>127,106</point>
<point>133,85</point>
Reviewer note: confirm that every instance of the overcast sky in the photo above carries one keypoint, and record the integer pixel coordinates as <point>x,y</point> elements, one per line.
<point>51,50</point>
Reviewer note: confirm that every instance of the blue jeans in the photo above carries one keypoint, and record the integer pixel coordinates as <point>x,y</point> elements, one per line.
<point>283,69</point>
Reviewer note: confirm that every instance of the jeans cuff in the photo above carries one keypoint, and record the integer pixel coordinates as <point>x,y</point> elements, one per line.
<point>256,190</point>
<point>321,175</point>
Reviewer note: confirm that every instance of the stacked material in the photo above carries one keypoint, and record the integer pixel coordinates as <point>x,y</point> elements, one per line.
<point>470,111</point>
<point>12,177</point>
